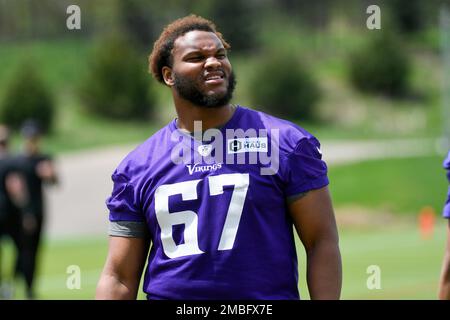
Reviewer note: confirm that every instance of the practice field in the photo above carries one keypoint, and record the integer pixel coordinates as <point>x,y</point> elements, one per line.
<point>399,186</point>
<point>409,265</point>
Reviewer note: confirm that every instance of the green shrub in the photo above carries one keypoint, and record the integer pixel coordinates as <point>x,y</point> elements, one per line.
<point>27,97</point>
<point>236,20</point>
<point>382,66</point>
<point>137,20</point>
<point>284,87</point>
<point>409,16</point>
<point>118,85</point>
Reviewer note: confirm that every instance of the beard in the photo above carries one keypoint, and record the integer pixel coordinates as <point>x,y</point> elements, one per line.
<point>191,91</point>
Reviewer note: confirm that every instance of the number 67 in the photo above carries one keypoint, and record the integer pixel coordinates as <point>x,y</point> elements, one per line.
<point>188,191</point>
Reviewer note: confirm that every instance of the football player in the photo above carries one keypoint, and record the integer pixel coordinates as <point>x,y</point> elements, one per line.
<point>219,213</point>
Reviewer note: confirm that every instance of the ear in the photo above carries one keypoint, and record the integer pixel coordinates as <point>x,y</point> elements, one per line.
<point>168,76</point>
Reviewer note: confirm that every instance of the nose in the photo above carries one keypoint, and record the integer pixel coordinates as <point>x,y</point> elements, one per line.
<point>212,62</point>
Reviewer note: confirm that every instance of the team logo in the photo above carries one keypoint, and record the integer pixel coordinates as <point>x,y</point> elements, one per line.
<point>205,150</point>
<point>255,144</point>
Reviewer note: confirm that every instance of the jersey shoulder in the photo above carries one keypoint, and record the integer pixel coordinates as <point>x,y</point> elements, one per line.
<point>147,154</point>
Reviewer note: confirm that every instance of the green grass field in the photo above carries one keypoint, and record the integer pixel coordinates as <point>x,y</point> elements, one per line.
<point>399,186</point>
<point>409,265</point>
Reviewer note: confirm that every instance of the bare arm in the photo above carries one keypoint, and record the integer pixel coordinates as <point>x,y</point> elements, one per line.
<point>316,226</point>
<point>444,283</point>
<point>123,268</point>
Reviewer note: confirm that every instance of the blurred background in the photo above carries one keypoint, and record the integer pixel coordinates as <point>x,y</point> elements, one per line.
<point>378,99</point>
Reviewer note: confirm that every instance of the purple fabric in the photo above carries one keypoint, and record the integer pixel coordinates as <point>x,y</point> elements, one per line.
<point>446,164</point>
<point>261,262</point>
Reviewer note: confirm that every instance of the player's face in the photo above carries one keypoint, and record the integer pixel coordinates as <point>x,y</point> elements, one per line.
<point>201,71</point>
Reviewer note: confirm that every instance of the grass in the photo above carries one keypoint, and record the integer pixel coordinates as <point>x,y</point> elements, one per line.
<point>392,185</point>
<point>409,265</point>
<point>61,62</point>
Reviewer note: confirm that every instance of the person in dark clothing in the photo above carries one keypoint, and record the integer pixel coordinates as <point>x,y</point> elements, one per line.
<point>11,197</point>
<point>36,169</point>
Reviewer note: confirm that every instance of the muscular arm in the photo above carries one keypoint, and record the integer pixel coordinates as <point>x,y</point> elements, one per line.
<point>444,283</point>
<point>123,268</point>
<point>314,221</point>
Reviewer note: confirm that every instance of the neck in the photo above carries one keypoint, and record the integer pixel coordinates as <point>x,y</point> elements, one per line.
<point>209,117</point>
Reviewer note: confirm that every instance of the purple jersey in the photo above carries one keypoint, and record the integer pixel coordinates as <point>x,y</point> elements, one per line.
<point>219,230</point>
<point>446,211</point>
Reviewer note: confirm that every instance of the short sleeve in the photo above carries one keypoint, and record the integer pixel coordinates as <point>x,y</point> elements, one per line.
<point>305,168</point>
<point>123,204</point>
<point>446,211</point>
<point>446,166</point>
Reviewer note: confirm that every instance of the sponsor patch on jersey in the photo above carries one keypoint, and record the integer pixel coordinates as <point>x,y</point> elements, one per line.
<point>240,145</point>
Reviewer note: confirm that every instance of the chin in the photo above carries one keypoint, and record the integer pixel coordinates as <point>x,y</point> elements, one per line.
<point>216,95</point>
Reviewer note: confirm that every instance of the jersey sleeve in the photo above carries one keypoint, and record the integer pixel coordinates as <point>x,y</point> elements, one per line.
<point>446,212</point>
<point>446,164</point>
<point>305,170</point>
<point>124,204</point>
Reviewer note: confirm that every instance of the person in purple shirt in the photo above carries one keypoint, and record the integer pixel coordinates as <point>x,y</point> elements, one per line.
<point>216,194</point>
<point>444,283</point>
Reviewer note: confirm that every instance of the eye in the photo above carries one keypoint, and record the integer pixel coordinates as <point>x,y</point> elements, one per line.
<point>195,58</point>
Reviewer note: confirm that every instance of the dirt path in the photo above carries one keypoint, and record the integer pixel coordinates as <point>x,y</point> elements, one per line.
<point>77,206</point>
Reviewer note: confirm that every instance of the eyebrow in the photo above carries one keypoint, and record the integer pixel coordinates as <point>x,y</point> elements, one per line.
<point>195,50</point>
